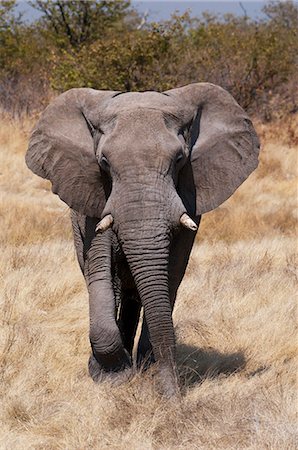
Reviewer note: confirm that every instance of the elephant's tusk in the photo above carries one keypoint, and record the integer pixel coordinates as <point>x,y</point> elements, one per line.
<point>104,224</point>
<point>187,222</point>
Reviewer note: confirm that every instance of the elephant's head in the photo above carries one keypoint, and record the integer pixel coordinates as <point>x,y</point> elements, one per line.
<point>146,163</point>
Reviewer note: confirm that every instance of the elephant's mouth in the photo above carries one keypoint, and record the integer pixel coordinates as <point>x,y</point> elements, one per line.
<point>128,202</point>
<point>108,220</point>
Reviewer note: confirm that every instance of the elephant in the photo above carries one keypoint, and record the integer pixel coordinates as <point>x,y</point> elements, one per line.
<point>137,170</point>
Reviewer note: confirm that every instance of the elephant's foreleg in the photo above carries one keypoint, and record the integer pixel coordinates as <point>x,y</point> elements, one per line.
<point>108,351</point>
<point>145,355</point>
<point>78,228</point>
<point>179,256</point>
<point>129,317</point>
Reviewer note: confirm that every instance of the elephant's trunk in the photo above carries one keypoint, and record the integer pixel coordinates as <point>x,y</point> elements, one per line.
<point>144,230</point>
<point>147,254</point>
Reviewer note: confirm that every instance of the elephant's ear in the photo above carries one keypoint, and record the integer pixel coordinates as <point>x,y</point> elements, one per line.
<point>61,149</point>
<point>224,145</point>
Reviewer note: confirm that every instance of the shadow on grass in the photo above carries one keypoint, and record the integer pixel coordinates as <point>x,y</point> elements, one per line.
<point>195,364</point>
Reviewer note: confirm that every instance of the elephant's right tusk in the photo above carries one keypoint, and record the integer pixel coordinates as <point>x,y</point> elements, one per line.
<point>187,222</point>
<point>104,224</point>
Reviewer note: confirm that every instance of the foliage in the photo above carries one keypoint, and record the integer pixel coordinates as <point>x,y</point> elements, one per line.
<point>250,59</point>
<point>72,23</point>
<point>106,45</point>
<point>24,82</point>
<point>127,64</point>
<point>9,35</point>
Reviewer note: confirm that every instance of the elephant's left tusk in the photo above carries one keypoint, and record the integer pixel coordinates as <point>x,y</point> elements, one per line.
<point>104,224</point>
<point>187,222</point>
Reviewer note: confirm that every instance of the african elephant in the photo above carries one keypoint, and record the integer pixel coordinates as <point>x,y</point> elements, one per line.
<point>137,170</point>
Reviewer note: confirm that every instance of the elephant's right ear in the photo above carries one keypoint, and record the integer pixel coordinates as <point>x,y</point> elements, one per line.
<point>61,149</point>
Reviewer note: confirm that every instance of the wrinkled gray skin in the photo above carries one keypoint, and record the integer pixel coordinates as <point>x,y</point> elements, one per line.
<point>146,158</point>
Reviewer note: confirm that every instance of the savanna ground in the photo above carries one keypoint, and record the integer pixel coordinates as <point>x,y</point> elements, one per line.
<point>235,321</point>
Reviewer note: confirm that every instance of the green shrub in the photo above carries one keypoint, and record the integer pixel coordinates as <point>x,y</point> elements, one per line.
<point>101,44</point>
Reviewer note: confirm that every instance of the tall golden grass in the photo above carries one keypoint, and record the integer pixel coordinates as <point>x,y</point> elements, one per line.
<point>235,319</point>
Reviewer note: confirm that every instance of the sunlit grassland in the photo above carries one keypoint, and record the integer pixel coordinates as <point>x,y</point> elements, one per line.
<point>235,319</point>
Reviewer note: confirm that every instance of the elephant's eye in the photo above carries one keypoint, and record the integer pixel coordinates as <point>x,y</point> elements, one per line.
<point>104,164</point>
<point>179,157</point>
<point>180,160</point>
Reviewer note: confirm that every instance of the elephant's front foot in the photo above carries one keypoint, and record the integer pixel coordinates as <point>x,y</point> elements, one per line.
<point>168,381</point>
<point>117,375</point>
<point>109,359</point>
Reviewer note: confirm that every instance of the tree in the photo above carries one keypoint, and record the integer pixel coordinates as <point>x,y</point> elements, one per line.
<point>73,23</point>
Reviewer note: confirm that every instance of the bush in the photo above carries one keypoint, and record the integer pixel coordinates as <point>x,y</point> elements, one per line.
<point>104,45</point>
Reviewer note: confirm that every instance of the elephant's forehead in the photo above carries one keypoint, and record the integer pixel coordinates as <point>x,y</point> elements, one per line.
<point>137,127</point>
<point>132,100</point>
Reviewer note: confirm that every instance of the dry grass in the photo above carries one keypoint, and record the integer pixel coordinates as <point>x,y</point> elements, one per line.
<point>235,322</point>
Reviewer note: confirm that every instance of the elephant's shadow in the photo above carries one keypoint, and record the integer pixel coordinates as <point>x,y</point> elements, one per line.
<point>195,364</point>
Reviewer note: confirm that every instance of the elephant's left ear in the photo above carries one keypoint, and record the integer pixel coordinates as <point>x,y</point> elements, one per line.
<point>61,149</point>
<point>224,145</point>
